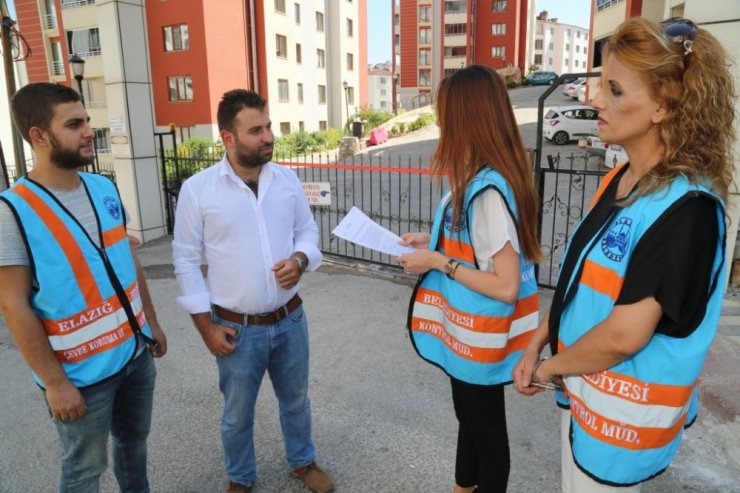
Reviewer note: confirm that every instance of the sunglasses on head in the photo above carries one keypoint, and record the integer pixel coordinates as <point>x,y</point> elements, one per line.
<point>682,31</point>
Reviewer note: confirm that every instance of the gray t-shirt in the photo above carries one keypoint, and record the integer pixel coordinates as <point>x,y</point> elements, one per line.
<point>13,250</point>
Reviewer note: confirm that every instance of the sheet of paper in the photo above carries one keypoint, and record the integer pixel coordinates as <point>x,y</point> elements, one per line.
<point>361,230</point>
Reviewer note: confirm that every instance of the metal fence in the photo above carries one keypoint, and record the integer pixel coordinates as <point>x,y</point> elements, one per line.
<point>401,194</point>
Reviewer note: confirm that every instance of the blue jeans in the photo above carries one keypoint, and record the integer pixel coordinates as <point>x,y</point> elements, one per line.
<point>121,406</point>
<point>282,350</point>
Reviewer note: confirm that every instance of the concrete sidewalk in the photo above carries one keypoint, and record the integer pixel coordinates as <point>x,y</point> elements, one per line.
<point>383,418</point>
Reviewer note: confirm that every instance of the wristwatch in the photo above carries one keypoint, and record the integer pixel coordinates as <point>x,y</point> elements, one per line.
<point>301,263</point>
<point>450,268</point>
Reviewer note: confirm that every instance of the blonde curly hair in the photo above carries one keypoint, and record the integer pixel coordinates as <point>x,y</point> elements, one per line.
<point>697,91</point>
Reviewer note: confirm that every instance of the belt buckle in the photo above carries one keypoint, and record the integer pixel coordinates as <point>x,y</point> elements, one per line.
<point>257,316</point>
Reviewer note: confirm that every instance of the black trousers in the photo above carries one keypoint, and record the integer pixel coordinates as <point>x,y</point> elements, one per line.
<point>482,439</point>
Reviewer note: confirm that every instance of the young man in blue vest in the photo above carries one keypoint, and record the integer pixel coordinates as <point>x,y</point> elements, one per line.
<point>74,295</point>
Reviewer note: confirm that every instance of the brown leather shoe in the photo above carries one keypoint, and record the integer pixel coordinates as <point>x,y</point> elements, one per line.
<point>315,478</point>
<point>232,487</point>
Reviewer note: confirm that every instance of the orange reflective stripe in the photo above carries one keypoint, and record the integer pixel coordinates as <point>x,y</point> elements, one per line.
<point>478,323</point>
<point>67,242</point>
<point>103,342</point>
<point>621,434</point>
<point>87,316</point>
<point>605,183</point>
<point>479,355</point>
<point>114,235</point>
<point>525,306</point>
<point>458,249</point>
<point>601,279</point>
<point>631,389</point>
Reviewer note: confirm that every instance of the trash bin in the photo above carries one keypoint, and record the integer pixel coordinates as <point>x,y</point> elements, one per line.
<point>358,129</point>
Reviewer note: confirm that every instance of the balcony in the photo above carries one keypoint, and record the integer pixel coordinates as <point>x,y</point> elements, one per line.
<point>73,4</point>
<point>57,68</point>
<point>50,22</point>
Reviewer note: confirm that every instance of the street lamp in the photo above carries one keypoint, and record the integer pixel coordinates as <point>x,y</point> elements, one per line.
<point>77,64</point>
<point>346,103</point>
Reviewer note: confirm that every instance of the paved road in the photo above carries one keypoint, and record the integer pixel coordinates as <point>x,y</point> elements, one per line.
<point>383,419</point>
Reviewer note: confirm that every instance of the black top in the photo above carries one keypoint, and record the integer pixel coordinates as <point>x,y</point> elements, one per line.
<point>672,262</point>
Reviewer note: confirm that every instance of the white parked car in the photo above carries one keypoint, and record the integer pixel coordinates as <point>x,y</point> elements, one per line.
<point>582,93</point>
<point>613,154</point>
<point>566,123</point>
<point>571,89</point>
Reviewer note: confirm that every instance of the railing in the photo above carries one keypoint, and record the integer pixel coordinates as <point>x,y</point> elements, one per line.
<point>67,4</point>
<point>567,185</point>
<point>50,21</point>
<point>91,53</point>
<point>400,194</point>
<point>57,68</point>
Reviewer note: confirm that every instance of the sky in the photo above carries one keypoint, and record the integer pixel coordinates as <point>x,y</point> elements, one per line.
<point>575,12</point>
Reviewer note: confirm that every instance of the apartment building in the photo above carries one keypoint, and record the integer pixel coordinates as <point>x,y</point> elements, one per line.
<point>560,48</point>
<point>380,86</point>
<point>297,53</point>
<point>55,29</point>
<point>434,38</point>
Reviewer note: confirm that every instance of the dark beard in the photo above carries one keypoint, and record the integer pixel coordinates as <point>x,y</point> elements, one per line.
<point>67,159</point>
<point>252,159</point>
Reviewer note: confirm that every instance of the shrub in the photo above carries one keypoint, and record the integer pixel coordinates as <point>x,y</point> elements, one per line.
<point>372,117</point>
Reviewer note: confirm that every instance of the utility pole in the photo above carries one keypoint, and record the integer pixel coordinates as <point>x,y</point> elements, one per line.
<point>7,33</point>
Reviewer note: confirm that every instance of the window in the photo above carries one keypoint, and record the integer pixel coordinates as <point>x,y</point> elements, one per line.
<point>500,29</point>
<point>297,11</point>
<point>102,139</point>
<point>58,60</point>
<point>455,29</point>
<point>350,61</point>
<point>498,5</point>
<point>537,44</point>
<point>383,104</point>
<point>549,61</point>
<point>322,94</point>
<point>551,46</point>
<point>538,59</point>
<point>299,92</point>
<point>575,63</point>
<point>578,49</point>
<point>567,32</point>
<point>281,46</point>
<point>498,51</point>
<point>424,14</point>
<point>455,51</point>
<point>383,80</point>
<point>350,28</point>
<point>176,38</point>
<point>84,42</point>
<point>383,92</point>
<point>425,36</point>
<point>584,50</point>
<point>280,6</point>
<point>567,46</point>
<point>456,6</point>
<point>180,88</point>
<point>301,127</point>
<point>284,128</point>
<point>567,61</point>
<point>283,91</point>
<point>322,124</point>
<point>298,53</point>
<point>578,34</point>
<point>319,22</point>
<point>425,78</point>
<point>351,95</point>
<point>321,56</point>
<point>424,57</point>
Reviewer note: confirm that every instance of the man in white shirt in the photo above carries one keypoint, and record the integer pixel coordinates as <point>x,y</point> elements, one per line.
<point>250,219</point>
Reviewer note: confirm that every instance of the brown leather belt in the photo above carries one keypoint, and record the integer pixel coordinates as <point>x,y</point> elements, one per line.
<point>269,318</point>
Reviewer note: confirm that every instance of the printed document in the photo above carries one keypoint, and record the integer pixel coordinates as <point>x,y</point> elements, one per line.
<point>361,230</point>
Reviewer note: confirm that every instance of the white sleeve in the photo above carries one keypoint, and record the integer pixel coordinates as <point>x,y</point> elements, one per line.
<point>492,227</point>
<point>187,249</point>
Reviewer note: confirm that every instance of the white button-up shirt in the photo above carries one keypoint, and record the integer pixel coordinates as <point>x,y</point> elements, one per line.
<point>240,237</point>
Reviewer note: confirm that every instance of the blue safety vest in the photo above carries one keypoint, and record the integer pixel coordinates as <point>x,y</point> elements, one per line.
<point>627,422</point>
<point>472,337</point>
<point>86,297</point>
